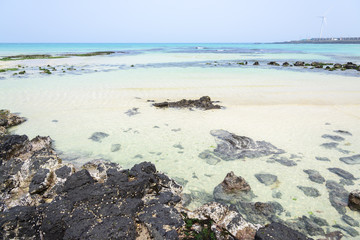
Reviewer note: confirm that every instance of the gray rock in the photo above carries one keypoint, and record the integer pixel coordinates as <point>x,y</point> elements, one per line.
<point>333,137</point>
<point>260,213</point>
<point>319,221</point>
<point>115,147</point>
<point>266,178</point>
<point>342,173</point>
<point>231,146</point>
<point>39,182</point>
<point>132,112</point>
<point>204,103</point>
<point>324,159</point>
<point>209,157</point>
<point>342,132</point>
<point>338,196</point>
<point>98,136</point>
<point>352,160</point>
<point>179,146</point>
<point>309,191</point>
<point>138,156</point>
<point>346,182</point>
<point>312,228</point>
<point>181,181</point>
<point>176,129</point>
<point>350,221</point>
<point>285,161</point>
<point>314,176</point>
<point>349,230</point>
<point>330,145</point>
<point>276,194</point>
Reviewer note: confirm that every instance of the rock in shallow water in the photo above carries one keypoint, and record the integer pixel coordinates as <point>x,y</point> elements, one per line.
<point>98,136</point>
<point>231,146</point>
<point>204,103</point>
<point>309,191</point>
<point>354,200</point>
<point>266,178</point>
<point>115,147</point>
<point>333,137</point>
<point>352,160</point>
<point>277,231</point>
<point>338,196</point>
<point>314,176</point>
<point>350,221</point>
<point>342,173</point>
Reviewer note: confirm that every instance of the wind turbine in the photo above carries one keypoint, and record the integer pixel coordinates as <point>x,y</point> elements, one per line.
<point>323,21</point>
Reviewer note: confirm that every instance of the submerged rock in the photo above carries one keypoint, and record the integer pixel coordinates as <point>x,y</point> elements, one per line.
<point>209,157</point>
<point>98,136</point>
<point>132,112</point>
<point>279,231</point>
<point>233,188</point>
<point>115,147</point>
<point>259,212</point>
<point>354,200</point>
<point>350,221</point>
<point>324,159</point>
<point>204,103</point>
<point>266,178</point>
<point>333,137</point>
<point>330,145</point>
<point>309,191</point>
<point>338,196</point>
<point>342,132</point>
<point>231,146</point>
<point>352,160</point>
<point>285,161</point>
<point>349,230</point>
<point>342,173</point>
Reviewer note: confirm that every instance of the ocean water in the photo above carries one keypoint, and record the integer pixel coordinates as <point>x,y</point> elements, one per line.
<point>292,108</point>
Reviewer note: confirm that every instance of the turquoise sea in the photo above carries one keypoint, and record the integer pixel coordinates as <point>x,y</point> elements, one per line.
<point>297,109</point>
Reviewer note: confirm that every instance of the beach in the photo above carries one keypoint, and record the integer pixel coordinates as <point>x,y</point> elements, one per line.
<point>293,108</point>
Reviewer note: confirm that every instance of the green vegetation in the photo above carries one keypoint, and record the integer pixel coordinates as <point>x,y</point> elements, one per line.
<point>22,72</point>
<point>25,57</point>
<point>204,227</point>
<point>89,54</point>
<point>8,69</point>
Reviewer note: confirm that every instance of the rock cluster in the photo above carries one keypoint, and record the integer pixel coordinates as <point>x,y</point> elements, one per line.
<point>204,103</point>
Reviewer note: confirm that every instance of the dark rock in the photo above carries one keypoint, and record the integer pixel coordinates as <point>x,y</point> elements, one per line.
<point>179,146</point>
<point>132,112</point>
<point>337,65</point>
<point>209,157</point>
<point>312,228</point>
<point>342,173</point>
<point>350,65</point>
<point>349,230</point>
<point>55,121</point>
<point>64,172</point>
<point>231,146</point>
<point>39,182</point>
<point>285,161</point>
<point>98,136</point>
<point>314,176</point>
<point>324,159</point>
<point>338,196</point>
<point>273,64</point>
<point>350,221</point>
<point>309,191</point>
<point>12,146</point>
<point>299,64</point>
<point>347,182</point>
<point>204,103</point>
<point>277,231</point>
<point>233,183</point>
<point>333,137</point>
<point>354,200</point>
<point>115,147</point>
<point>285,64</point>
<point>330,145</point>
<point>342,132</point>
<point>319,221</point>
<point>352,160</point>
<point>8,119</point>
<point>256,63</point>
<point>260,213</point>
<point>266,178</point>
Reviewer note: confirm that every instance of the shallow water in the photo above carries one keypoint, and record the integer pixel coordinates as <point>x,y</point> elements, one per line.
<point>290,109</point>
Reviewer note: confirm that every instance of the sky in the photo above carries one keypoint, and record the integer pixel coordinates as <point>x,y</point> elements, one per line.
<point>175,21</point>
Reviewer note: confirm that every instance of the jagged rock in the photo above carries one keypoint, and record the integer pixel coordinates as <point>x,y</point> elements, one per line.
<point>266,178</point>
<point>98,136</point>
<point>279,231</point>
<point>299,64</point>
<point>338,196</point>
<point>204,103</point>
<point>260,213</point>
<point>342,173</point>
<point>8,119</point>
<point>350,221</point>
<point>231,146</point>
<point>333,137</point>
<point>354,200</point>
<point>309,191</point>
<point>324,159</point>
<point>352,160</point>
<point>342,132</point>
<point>115,147</point>
<point>225,218</point>
<point>132,112</point>
<point>233,188</point>
<point>349,230</point>
<point>209,157</point>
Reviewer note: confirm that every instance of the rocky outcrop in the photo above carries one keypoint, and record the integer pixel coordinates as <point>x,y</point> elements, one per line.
<point>299,64</point>
<point>231,146</point>
<point>8,120</point>
<point>350,65</point>
<point>273,64</point>
<point>354,200</point>
<point>204,103</point>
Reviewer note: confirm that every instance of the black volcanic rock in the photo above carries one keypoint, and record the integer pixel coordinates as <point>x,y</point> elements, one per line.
<point>204,103</point>
<point>279,231</point>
